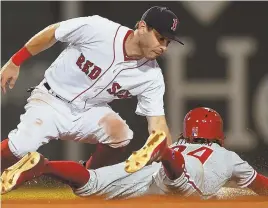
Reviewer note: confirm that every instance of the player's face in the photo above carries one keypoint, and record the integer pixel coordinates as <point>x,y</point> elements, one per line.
<point>153,44</point>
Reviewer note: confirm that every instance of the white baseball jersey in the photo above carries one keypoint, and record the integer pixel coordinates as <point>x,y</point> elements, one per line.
<point>114,182</point>
<point>220,166</point>
<point>207,169</point>
<point>94,69</point>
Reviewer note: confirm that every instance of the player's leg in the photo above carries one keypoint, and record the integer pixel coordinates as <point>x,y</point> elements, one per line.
<point>105,155</point>
<point>112,134</point>
<point>7,157</point>
<point>114,182</point>
<point>28,167</point>
<point>110,181</point>
<point>68,172</point>
<point>34,165</point>
<point>173,163</point>
<point>152,150</point>
<point>156,149</point>
<point>37,126</point>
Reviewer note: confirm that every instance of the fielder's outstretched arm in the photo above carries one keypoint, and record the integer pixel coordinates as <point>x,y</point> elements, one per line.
<point>159,123</point>
<point>38,43</point>
<point>74,31</point>
<point>42,40</point>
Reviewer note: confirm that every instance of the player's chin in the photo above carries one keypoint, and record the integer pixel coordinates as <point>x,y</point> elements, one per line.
<point>152,56</point>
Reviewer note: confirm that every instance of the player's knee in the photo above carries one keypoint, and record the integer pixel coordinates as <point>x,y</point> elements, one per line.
<point>20,146</point>
<point>19,150</point>
<point>116,129</point>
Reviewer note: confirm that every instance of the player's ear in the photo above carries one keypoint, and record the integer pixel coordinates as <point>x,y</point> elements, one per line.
<point>141,25</point>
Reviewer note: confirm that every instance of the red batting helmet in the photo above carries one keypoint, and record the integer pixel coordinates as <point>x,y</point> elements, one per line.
<point>203,123</point>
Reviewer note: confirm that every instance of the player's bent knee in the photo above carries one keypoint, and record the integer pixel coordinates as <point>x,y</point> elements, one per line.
<point>118,131</point>
<point>20,150</point>
<point>20,145</point>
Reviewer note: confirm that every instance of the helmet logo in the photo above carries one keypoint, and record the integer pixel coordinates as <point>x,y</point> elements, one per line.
<point>194,131</point>
<point>174,26</point>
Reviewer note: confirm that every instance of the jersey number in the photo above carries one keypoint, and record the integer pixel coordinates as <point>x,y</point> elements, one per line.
<point>201,153</point>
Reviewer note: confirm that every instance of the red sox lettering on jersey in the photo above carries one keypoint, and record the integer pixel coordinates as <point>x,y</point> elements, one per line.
<point>118,92</point>
<point>88,68</point>
<point>97,70</point>
<point>93,71</point>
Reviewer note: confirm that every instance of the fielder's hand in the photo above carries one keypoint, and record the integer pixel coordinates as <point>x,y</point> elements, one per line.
<point>9,75</point>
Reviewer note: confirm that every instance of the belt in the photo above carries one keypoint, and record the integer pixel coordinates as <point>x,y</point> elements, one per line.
<point>46,85</point>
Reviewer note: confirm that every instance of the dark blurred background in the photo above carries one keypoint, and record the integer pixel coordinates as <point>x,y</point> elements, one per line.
<point>223,65</point>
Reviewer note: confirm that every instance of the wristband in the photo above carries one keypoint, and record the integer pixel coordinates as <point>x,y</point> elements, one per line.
<point>22,55</point>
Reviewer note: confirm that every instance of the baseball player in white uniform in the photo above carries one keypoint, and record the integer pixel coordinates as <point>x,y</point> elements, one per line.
<point>197,164</point>
<point>203,139</point>
<point>102,62</point>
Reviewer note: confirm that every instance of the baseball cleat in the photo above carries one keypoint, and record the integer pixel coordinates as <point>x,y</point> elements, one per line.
<point>151,151</point>
<point>27,168</point>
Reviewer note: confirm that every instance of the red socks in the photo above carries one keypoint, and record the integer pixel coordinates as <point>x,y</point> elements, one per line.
<point>7,157</point>
<point>173,163</point>
<point>69,172</point>
<point>105,155</point>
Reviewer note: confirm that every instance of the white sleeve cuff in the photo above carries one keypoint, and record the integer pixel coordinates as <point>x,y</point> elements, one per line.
<point>249,181</point>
